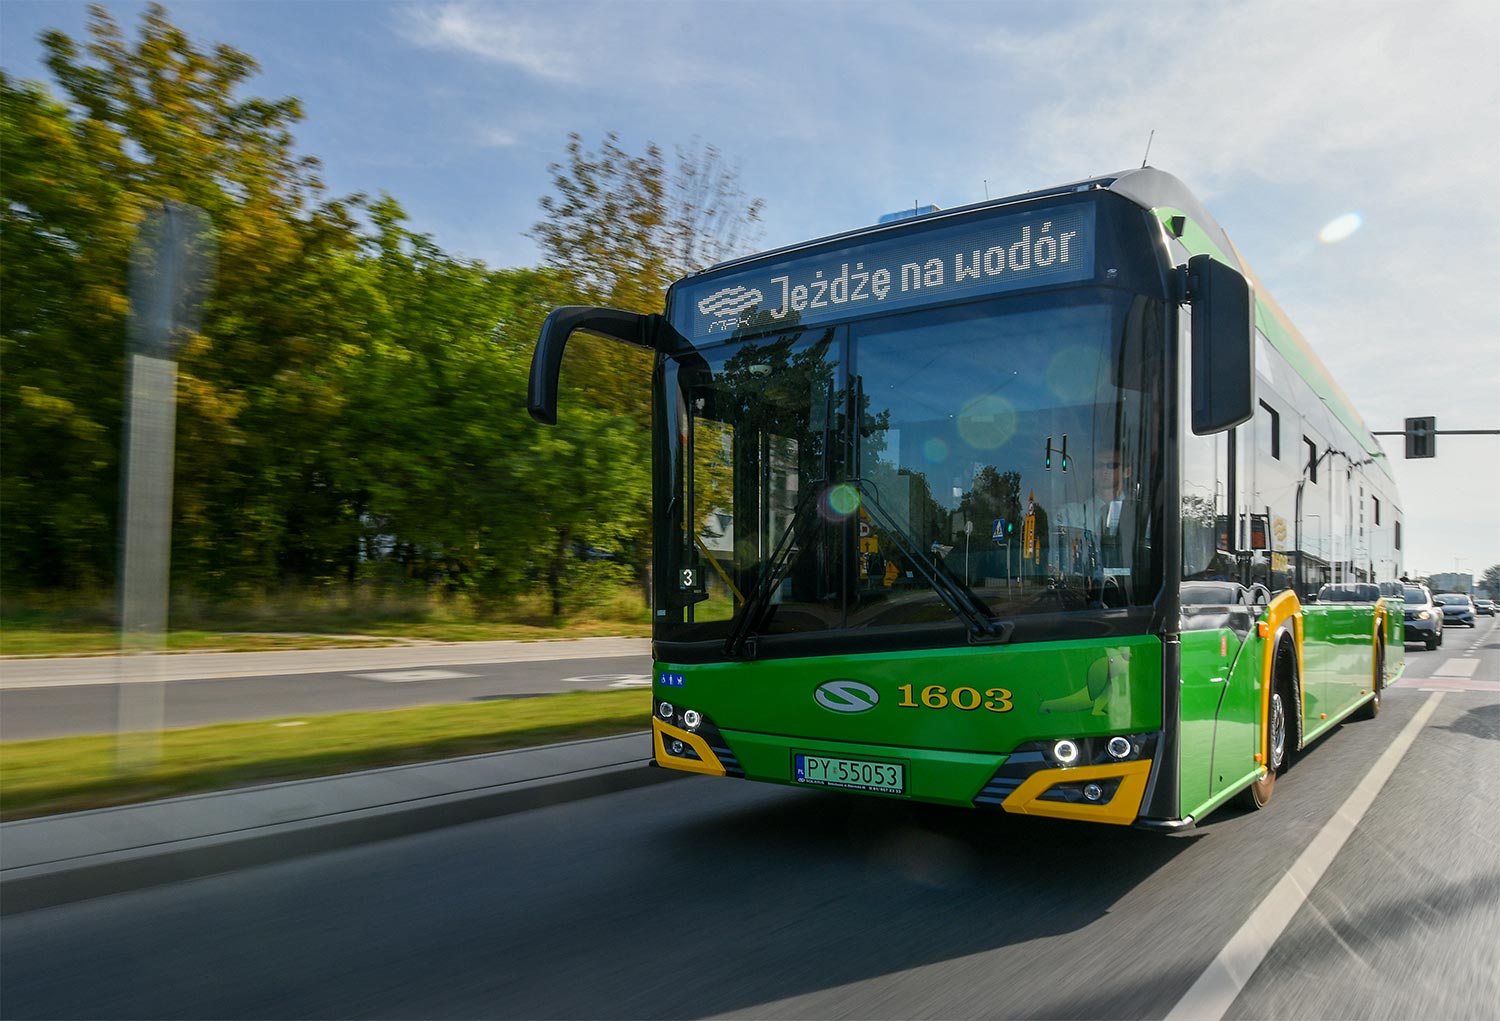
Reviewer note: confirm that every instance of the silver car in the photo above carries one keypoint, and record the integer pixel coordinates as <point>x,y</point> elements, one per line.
<point>1457,609</point>
<point>1424,619</point>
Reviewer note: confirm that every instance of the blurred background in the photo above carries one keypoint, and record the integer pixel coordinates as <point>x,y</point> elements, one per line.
<point>351,441</point>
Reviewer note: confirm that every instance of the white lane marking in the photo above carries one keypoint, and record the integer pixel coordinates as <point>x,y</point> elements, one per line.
<point>407,676</point>
<point>1457,668</point>
<point>1215,991</point>
<point>1444,684</point>
<point>612,680</point>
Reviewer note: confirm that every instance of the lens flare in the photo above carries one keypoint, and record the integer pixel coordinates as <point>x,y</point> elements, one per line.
<point>987,422</point>
<point>935,450</point>
<point>840,501</point>
<point>1339,228</point>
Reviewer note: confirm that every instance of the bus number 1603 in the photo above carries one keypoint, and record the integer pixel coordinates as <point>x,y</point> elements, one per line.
<point>935,696</point>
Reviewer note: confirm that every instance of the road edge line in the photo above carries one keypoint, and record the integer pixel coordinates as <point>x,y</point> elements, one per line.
<point>1220,984</point>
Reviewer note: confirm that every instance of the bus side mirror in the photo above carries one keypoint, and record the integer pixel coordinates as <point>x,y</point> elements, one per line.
<point>546,361</point>
<point>1223,345</point>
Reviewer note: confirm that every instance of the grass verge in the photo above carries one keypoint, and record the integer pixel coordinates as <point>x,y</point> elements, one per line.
<point>70,774</point>
<point>24,640</point>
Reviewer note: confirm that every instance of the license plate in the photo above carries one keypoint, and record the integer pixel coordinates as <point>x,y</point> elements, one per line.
<point>857,774</point>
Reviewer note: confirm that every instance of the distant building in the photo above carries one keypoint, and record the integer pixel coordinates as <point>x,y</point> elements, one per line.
<point>1451,582</point>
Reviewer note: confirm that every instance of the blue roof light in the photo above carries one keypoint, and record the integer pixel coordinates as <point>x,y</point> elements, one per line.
<point>906,214</point>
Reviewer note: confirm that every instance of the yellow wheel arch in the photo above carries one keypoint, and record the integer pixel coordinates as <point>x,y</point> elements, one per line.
<point>1283,614</point>
<point>1382,613</point>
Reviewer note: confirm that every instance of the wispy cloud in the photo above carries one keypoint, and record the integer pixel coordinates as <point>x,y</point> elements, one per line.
<point>588,45</point>
<point>496,137</point>
<point>504,35</point>
<point>1272,90</point>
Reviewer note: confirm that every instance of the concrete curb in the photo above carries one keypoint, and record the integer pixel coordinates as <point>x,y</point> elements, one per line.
<point>69,878</point>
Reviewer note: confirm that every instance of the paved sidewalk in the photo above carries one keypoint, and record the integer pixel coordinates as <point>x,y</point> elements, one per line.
<point>66,858</point>
<point>63,671</point>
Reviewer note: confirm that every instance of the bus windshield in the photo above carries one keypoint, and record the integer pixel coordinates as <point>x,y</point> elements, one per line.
<point>929,471</point>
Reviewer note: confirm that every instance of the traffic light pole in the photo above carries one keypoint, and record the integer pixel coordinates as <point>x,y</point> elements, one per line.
<point>1421,436</point>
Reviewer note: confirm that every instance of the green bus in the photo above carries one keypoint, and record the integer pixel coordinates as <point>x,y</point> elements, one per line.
<point>1037,505</point>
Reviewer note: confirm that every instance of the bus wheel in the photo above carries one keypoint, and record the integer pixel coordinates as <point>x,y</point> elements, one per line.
<point>1258,794</point>
<point>1371,709</point>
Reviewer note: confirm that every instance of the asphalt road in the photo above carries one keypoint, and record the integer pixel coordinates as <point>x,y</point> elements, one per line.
<point>713,897</point>
<point>60,710</point>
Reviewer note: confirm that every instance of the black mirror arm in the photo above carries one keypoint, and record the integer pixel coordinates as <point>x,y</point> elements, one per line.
<point>546,362</point>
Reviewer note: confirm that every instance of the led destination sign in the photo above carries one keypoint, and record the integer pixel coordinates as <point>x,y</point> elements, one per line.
<point>972,257</point>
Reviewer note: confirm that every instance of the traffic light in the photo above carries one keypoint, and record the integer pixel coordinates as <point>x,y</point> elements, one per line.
<point>1063,450</point>
<point>1421,437</point>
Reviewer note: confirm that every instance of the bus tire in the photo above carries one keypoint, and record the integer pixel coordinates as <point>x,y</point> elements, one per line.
<point>1258,794</point>
<point>1371,709</point>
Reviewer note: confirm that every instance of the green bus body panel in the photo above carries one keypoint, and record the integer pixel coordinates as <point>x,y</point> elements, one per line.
<point>1395,640</point>
<point>1220,720</point>
<point>1220,716</point>
<point>766,710</point>
<point>1336,656</point>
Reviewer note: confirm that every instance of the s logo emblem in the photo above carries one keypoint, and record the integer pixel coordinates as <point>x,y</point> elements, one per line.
<point>846,696</point>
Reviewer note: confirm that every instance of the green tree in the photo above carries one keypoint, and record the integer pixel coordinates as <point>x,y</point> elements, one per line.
<point>992,496</point>
<point>65,234</point>
<point>141,122</point>
<point>621,228</point>
<point>618,230</point>
<point>352,405</point>
<point>434,429</point>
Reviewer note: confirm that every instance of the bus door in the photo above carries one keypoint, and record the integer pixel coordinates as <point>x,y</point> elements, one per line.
<point>1220,703</point>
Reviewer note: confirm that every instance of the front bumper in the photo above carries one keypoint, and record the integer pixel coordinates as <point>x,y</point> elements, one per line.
<point>1025,782</point>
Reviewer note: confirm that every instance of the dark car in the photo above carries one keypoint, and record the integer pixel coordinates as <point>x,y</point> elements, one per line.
<point>1457,609</point>
<point>1485,607</point>
<point>1424,618</point>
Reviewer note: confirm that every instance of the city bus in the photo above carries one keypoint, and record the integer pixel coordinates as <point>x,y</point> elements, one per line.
<point>1039,505</point>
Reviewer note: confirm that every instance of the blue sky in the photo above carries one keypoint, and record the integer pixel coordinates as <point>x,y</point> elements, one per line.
<point>1281,117</point>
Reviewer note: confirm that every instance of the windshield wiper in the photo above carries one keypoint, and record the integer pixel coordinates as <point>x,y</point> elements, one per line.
<point>758,602</point>
<point>983,627</point>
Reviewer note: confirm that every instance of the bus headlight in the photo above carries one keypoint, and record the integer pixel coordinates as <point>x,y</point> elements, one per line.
<point>691,718</point>
<point>1065,751</point>
<point>1119,747</point>
<point>665,710</point>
